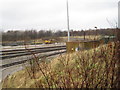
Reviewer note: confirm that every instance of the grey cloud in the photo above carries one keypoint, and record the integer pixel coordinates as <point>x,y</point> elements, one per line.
<point>52,13</point>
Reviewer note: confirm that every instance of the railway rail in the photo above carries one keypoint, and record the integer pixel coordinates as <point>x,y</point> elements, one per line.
<point>7,54</point>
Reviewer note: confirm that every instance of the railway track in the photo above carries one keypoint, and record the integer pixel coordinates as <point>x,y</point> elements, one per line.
<point>8,54</point>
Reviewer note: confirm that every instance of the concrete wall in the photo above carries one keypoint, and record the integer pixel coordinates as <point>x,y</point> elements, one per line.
<point>119,14</point>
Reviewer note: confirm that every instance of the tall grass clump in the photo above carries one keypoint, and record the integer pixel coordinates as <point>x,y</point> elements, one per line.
<point>95,68</point>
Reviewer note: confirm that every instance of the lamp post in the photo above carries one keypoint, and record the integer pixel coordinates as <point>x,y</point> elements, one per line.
<point>68,27</point>
<point>95,33</point>
<point>119,14</point>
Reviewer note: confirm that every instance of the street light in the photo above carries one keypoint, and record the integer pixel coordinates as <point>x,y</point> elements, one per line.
<point>95,33</point>
<point>68,21</point>
<point>119,14</point>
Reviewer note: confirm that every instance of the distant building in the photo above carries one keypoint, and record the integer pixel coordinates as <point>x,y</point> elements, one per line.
<point>119,14</point>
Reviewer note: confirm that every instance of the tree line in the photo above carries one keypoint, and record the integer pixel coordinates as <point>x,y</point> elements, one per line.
<point>34,34</point>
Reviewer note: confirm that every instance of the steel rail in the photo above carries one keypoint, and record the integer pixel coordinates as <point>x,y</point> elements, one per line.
<point>23,61</point>
<point>26,50</point>
<point>31,52</point>
<point>31,49</point>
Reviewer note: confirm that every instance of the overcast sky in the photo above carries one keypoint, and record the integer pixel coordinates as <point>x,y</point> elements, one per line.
<point>51,14</point>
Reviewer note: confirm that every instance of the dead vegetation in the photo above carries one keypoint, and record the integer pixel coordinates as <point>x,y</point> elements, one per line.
<point>95,68</point>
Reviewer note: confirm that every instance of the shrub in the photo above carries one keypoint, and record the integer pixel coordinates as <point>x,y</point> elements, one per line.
<point>95,68</point>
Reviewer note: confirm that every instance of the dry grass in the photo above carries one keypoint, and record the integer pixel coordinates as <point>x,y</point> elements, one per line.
<point>89,37</point>
<point>95,68</point>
